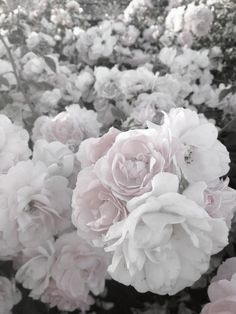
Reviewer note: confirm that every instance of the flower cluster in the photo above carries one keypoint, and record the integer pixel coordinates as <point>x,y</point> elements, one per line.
<point>148,195</point>
<point>110,160</point>
<point>222,290</point>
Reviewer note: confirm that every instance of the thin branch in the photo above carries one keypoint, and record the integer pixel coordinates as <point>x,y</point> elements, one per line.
<point>16,74</point>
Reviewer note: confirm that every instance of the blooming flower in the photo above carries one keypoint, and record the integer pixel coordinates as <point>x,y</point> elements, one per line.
<point>93,149</point>
<point>149,247</point>
<point>200,155</point>
<point>56,297</point>
<point>13,144</point>
<point>222,290</point>
<point>216,197</point>
<point>35,269</point>
<point>135,157</point>
<point>198,19</point>
<point>95,208</point>
<point>79,267</point>
<point>56,156</point>
<point>69,127</point>
<point>33,204</point>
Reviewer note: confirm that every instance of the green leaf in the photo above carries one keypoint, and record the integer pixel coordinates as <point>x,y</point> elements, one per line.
<point>50,63</point>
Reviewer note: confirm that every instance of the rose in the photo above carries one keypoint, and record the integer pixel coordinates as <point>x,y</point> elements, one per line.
<point>35,270</point>
<point>222,290</point>
<point>95,209</point>
<point>56,297</point>
<point>13,144</point>
<point>198,19</point>
<point>135,157</point>
<point>200,156</point>
<point>216,197</point>
<point>69,127</point>
<point>56,156</point>
<point>93,149</point>
<point>107,83</point>
<point>149,246</point>
<point>33,204</point>
<point>79,267</point>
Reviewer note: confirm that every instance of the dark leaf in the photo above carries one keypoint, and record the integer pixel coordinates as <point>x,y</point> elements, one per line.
<point>4,81</point>
<point>50,63</point>
<point>17,37</point>
<point>4,100</point>
<point>226,92</point>
<point>117,113</point>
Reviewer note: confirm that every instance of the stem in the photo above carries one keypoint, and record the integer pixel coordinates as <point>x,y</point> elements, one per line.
<point>17,75</point>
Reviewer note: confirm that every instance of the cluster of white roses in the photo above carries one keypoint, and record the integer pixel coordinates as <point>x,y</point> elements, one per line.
<point>64,61</point>
<point>129,184</point>
<point>36,232</point>
<point>154,200</point>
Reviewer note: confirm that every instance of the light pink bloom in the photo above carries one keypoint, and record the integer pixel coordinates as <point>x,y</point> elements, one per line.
<point>13,144</point>
<point>35,269</point>
<point>56,297</point>
<point>69,127</point>
<point>216,197</point>
<point>222,290</point>
<point>94,148</point>
<point>79,267</point>
<point>95,208</point>
<point>135,157</point>
<point>33,204</point>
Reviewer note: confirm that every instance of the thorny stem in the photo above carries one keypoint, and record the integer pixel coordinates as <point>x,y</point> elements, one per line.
<point>17,75</point>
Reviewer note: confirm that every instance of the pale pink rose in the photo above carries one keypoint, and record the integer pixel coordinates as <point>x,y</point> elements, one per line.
<point>135,157</point>
<point>200,156</point>
<point>79,267</point>
<point>149,246</point>
<point>35,268</point>
<point>94,148</point>
<point>216,197</point>
<point>33,204</point>
<point>9,295</point>
<point>56,297</point>
<point>13,144</point>
<point>69,127</point>
<point>222,290</point>
<point>95,208</point>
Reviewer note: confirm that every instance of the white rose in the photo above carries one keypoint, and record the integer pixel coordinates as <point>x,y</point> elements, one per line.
<point>13,144</point>
<point>165,243</point>
<point>35,270</point>
<point>33,204</point>
<point>198,19</point>
<point>56,156</point>
<point>200,155</point>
